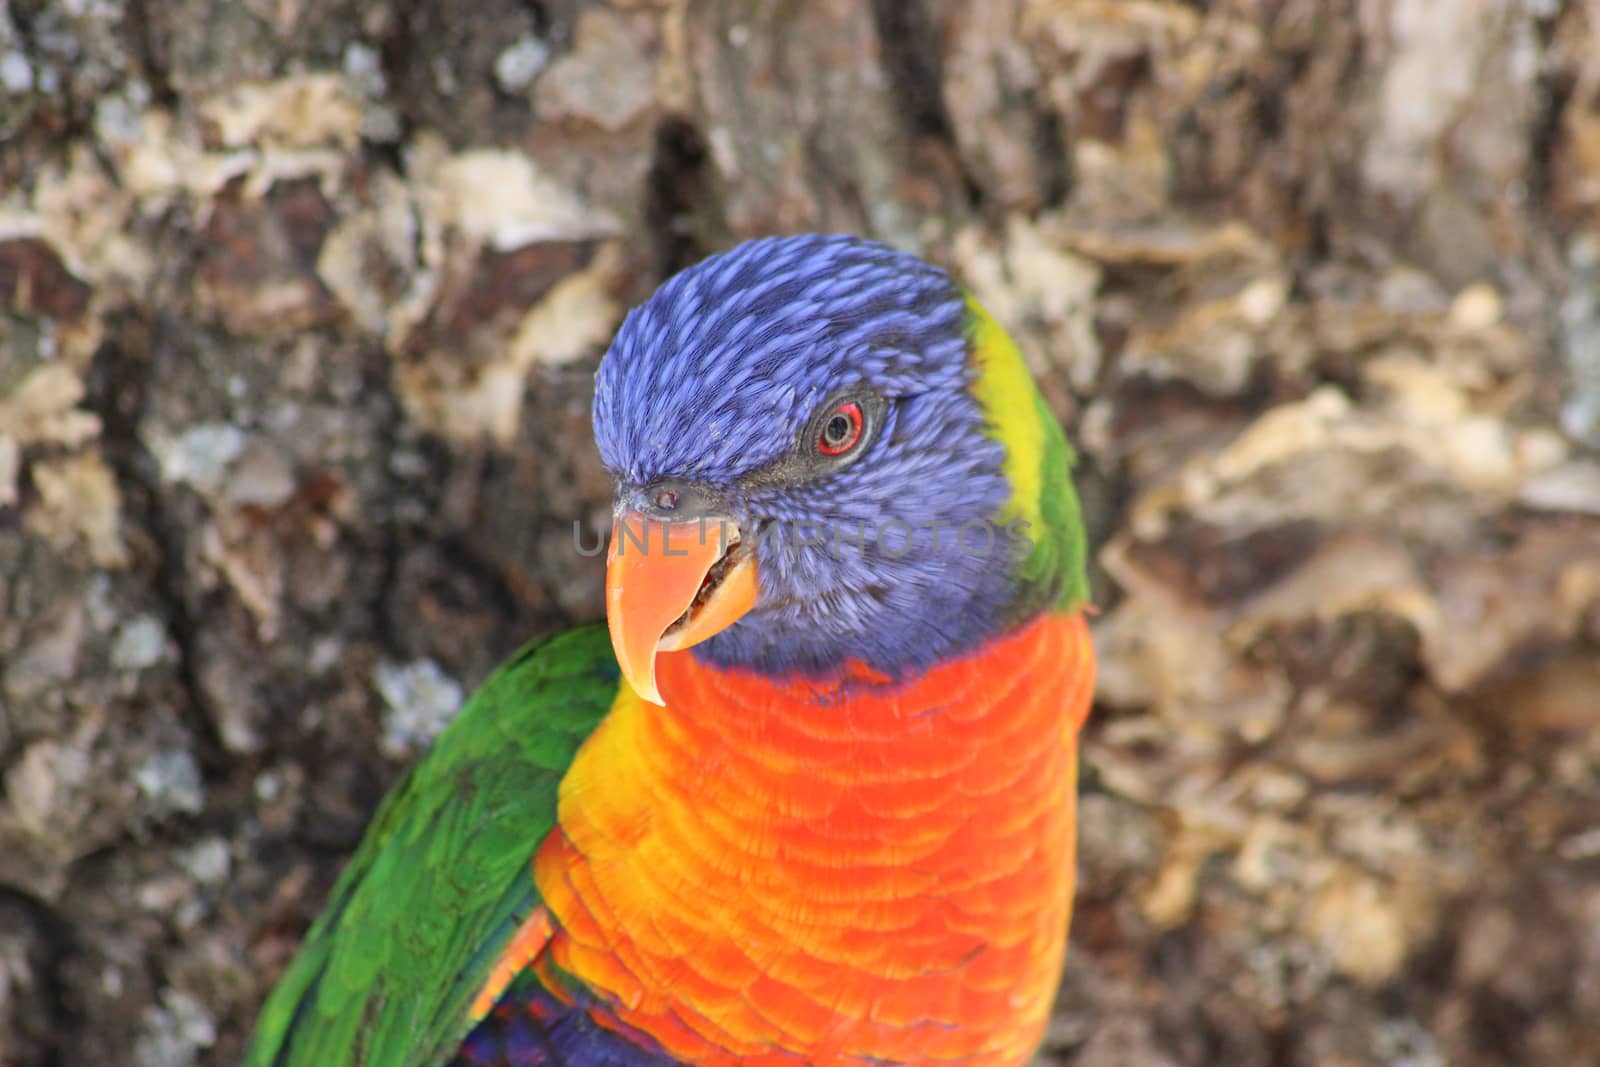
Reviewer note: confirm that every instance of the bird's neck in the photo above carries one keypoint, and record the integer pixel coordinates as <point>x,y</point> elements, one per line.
<point>896,858</point>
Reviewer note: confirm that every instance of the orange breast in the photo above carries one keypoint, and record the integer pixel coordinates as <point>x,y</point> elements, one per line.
<point>755,874</point>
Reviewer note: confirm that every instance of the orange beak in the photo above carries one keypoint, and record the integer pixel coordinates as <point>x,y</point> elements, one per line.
<point>671,585</point>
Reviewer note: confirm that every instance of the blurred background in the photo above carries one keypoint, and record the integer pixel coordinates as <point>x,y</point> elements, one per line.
<point>299,307</point>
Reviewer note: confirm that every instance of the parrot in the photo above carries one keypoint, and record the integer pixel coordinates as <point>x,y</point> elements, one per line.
<point>808,794</point>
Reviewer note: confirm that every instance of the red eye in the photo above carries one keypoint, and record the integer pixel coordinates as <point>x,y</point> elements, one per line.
<point>842,430</point>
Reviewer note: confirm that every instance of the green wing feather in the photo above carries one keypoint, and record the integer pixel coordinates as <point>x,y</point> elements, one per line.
<point>443,878</point>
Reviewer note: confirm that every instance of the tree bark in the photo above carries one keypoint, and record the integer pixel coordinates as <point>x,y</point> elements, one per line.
<point>299,308</point>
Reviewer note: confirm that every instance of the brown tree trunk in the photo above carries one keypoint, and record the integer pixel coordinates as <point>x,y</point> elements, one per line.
<point>299,305</point>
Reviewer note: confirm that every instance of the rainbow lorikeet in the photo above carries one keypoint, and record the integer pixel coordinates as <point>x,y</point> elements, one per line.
<point>811,800</point>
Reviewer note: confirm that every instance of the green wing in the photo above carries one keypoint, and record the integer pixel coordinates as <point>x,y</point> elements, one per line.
<point>443,878</point>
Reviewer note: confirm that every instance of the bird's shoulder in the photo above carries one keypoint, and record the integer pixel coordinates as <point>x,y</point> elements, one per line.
<point>442,881</point>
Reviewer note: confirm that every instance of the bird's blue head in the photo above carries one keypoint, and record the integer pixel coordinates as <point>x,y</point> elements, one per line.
<point>861,448</point>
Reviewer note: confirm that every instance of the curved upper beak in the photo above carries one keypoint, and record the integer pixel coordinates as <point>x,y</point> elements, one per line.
<point>671,585</point>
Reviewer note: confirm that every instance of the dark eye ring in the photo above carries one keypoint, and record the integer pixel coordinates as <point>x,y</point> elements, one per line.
<point>842,429</point>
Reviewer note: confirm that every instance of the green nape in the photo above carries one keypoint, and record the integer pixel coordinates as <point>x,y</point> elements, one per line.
<point>443,878</point>
<point>1038,465</point>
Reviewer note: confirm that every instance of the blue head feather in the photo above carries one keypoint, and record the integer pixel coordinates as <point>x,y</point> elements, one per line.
<point>715,377</point>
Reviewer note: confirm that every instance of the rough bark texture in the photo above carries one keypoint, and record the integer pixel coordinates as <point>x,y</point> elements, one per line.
<point>299,304</point>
